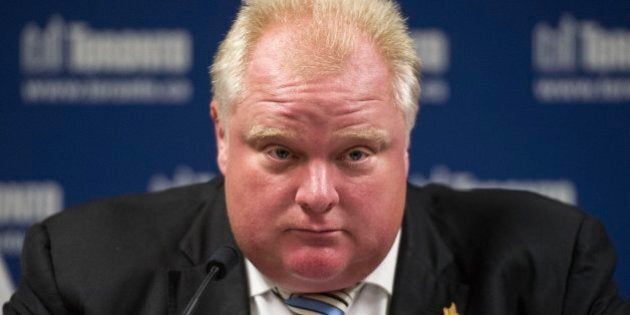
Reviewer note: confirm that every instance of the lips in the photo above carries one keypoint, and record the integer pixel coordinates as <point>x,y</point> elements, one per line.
<point>314,237</point>
<point>314,231</point>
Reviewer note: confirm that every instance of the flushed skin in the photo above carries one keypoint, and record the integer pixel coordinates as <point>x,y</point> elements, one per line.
<point>315,167</point>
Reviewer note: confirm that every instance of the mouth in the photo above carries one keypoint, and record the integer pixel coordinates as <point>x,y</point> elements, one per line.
<point>315,231</point>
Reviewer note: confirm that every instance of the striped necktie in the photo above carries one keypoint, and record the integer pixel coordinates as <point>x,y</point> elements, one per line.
<point>326,303</point>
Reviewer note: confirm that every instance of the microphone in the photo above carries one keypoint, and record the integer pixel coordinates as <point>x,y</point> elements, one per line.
<point>220,263</point>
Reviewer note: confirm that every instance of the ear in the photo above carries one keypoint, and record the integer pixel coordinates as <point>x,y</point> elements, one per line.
<point>220,136</point>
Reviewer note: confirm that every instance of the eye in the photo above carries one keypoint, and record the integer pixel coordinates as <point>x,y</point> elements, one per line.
<point>279,153</point>
<point>355,155</point>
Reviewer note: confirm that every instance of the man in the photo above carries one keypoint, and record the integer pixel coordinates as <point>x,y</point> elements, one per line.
<point>313,106</point>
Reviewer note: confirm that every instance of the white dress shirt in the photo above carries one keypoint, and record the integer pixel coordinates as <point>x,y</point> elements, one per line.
<point>372,299</point>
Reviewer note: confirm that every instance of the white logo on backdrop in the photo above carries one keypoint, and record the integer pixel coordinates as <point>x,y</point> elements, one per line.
<point>559,189</point>
<point>6,284</point>
<point>433,46</point>
<point>22,204</point>
<point>183,175</point>
<point>69,62</point>
<point>580,61</point>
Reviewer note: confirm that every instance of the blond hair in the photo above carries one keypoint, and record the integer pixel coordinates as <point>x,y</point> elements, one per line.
<point>332,29</point>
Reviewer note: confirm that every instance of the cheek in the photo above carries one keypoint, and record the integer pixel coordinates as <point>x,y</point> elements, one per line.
<point>377,206</point>
<point>378,200</point>
<point>255,199</point>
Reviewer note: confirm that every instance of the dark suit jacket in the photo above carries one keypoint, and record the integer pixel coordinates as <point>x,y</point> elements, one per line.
<point>488,251</point>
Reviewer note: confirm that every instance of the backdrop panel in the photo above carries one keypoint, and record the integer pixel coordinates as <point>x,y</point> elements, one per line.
<point>110,97</point>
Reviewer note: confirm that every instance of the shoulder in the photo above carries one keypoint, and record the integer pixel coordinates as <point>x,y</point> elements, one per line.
<point>132,213</point>
<point>491,225</point>
<point>501,209</point>
<point>95,248</point>
<point>524,247</point>
<point>121,231</point>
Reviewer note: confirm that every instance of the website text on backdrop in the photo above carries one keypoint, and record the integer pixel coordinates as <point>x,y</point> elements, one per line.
<point>313,106</point>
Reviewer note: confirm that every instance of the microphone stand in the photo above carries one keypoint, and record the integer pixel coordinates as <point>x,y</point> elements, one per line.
<point>220,263</point>
<point>195,299</point>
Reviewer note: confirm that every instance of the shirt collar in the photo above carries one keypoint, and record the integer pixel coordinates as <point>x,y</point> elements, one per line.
<point>382,276</point>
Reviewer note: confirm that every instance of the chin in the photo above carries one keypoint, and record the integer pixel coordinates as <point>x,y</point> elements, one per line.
<point>316,270</point>
<point>319,271</point>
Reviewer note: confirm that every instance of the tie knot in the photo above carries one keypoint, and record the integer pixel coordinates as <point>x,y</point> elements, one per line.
<point>327,303</point>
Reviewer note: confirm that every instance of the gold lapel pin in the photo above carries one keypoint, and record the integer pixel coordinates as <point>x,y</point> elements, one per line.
<point>451,310</point>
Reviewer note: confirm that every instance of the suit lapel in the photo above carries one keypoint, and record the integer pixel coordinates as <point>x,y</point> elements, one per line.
<point>426,279</point>
<point>209,231</point>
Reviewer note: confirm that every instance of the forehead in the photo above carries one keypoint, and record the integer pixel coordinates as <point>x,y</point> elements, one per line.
<point>358,97</point>
<point>281,56</point>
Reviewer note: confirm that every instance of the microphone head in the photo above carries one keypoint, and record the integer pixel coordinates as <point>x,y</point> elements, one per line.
<point>225,258</point>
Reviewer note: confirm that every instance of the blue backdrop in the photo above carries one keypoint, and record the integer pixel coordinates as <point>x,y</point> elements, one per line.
<point>108,97</point>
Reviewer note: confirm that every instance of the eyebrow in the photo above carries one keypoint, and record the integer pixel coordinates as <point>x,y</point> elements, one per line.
<point>258,133</point>
<point>370,134</point>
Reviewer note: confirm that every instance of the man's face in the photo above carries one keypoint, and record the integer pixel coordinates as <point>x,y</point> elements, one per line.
<point>315,169</point>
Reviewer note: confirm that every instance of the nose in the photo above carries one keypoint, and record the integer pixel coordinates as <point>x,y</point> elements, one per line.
<point>317,192</point>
